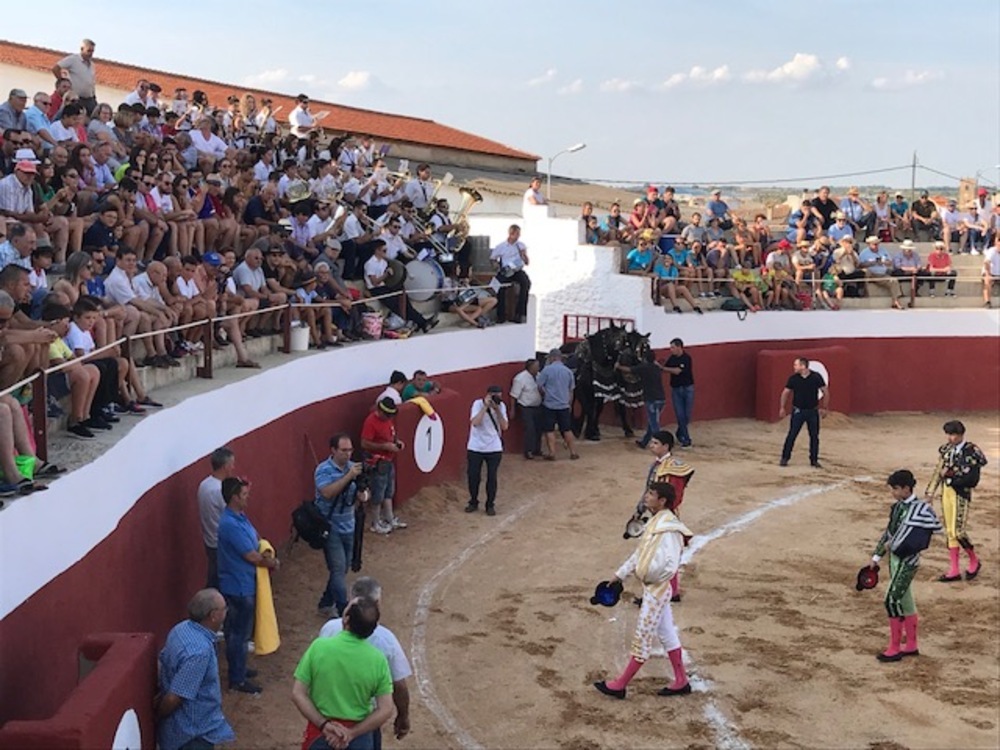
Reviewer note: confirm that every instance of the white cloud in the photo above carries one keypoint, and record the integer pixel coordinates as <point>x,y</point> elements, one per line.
<point>356,80</point>
<point>619,85</point>
<point>909,79</point>
<point>547,77</point>
<point>698,75</point>
<point>843,63</point>
<point>308,78</point>
<point>267,77</point>
<point>570,89</point>
<point>801,68</point>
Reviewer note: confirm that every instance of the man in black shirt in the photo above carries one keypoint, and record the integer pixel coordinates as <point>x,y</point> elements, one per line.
<point>809,394</point>
<point>650,374</point>
<point>681,389</point>
<point>825,206</point>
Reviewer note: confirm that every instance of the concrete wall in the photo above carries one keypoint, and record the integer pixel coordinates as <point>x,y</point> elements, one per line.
<point>33,81</point>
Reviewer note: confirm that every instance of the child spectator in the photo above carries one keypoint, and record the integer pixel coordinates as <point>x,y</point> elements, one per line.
<point>306,294</point>
<point>79,380</point>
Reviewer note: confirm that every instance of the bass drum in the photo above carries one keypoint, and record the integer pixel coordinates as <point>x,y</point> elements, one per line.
<point>424,278</point>
<point>398,277</point>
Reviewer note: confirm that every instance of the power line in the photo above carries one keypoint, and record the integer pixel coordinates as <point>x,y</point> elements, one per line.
<point>939,172</point>
<point>773,181</point>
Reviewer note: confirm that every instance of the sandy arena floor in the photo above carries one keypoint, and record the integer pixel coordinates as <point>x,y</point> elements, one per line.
<point>494,612</point>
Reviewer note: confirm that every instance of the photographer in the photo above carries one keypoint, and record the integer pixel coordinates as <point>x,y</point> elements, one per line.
<point>486,425</point>
<point>337,492</point>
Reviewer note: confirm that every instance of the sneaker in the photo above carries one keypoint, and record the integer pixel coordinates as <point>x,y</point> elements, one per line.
<point>97,423</point>
<point>935,295</point>
<point>78,430</point>
<point>251,647</point>
<point>247,687</point>
<point>976,252</point>
<point>53,410</point>
<point>397,523</point>
<point>381,527</point>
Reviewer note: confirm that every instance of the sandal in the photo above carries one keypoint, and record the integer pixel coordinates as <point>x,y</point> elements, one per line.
<point>147,401</point>
<point>26,487</point>
<point>248,363</point>
<point>45,469</point>
<point>574,456</point>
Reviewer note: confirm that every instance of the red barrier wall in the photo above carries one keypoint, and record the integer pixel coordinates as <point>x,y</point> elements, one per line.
<point>774,367</point>
<point>123,679</point>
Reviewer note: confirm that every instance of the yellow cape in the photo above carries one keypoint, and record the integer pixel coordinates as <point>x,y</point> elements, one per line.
<point>265,633</point>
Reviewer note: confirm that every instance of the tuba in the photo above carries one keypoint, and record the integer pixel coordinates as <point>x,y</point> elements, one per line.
<point>470,197</point>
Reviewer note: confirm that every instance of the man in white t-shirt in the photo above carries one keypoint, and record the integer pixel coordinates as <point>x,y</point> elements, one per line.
<point>510,258</point>
<point>210,147</point>
<point>953,226</point>
<point>300,119</point>
<point>120,289</point>
<point>533,195</point>
<point>487,422</point>
<point>385,641</point>
<point>264,166</point>
<point>210,507</point>
<point>991,269</point>
<point>527,399</point>
<point>394,391</point>
<point>420,189</point>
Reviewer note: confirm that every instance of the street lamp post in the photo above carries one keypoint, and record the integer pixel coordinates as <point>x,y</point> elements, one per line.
<point>548,179</point>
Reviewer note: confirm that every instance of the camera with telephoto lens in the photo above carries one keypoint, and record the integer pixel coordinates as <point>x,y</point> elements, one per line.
<point>496,398</point>
<point>363,481</point>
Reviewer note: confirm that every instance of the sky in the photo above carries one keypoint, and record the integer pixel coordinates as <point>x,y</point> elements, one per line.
<point>684,92</point>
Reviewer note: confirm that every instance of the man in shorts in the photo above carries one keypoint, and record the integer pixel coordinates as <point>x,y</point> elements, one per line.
<point>556,383</point>
<point>379,441</point>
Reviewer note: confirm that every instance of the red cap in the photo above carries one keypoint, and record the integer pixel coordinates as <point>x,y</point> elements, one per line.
<point>784,244</point>
<point>652,189</point>
<point>983,191</point>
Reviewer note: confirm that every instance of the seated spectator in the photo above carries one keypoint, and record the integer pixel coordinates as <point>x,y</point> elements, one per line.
<point>804,265</point>
<point>306,294</point>
<point>849,271</point>
<point>668,283</point>
<point>824,207</point>
<point>79,380</point>
<point>860,215</point>
<point>804,223</point>
<point>616,225</point>
<point>695,232</point>
<point>152,316</point>
<point>641,257</point>
<point>684,262</point>
<point>939,267</point>
<point>991,270</point>
<point>876,264</point>
<point>17,201</point>
<point>471,305</point>
<point>642,218</point>
<point>831,290</point>
<point>702,270</point>
<point>17,248</point>
<point>778,274</point>
<point>954,227</point>
<point>720,261</point>
<point>750,287</point>
<point>840,228</point>
<point>25,341</point>
<point>715,232</point>
<point>906,265</point>
<point>925,219</point>
<point>976,223</point>
<point>592,232</point>
<point>718,209</point>
<point>762,235</point>
<point>37,121</point>
<point>182,293</point>
<point>533,195</point>
<point>899,215</point>
<point>745,241</point>
<point>64,130</point>
<point>670,215</point>
<point>104,233</point>
<point>377,274</point>
<point>62,87</point>
<point>251,283</point>
<point>42,258</point>
<point>330,287</point>
<point>421,385</point>
<point>216,285</point>
<point>885,227</point>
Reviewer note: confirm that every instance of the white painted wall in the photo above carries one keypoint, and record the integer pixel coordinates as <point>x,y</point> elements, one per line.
<point>33,81</point>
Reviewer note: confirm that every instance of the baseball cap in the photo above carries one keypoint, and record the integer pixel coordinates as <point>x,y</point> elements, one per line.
<point>26,166</point>
<point>494,389</point>
<point>784,244</point>
<point>387,406</point>
<point>213,259</point>
<point>983,191</point>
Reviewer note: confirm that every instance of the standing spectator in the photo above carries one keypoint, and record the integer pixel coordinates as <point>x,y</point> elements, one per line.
<point>533,195</point>
<point>210,507</point>
<point>527,399</point>
<point>650,374</point>
<point>239,559</point>
<point>79,69</point>
<point>385,641</point>
<point>487,421</point>
<point>394,391</point>
<point>336,496</point>
<point>556,383</point>
<point>338,678</point>
<point>189,701</point>
<point>510,259</point>
<point>378,439</point>
<point>810,395</point>
<point>681,370</point>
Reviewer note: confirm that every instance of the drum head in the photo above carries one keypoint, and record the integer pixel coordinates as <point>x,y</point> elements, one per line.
<point>399,275</point>
<point>423,279</point>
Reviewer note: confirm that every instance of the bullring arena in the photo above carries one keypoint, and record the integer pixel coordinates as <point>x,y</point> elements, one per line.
<point>494,612</point>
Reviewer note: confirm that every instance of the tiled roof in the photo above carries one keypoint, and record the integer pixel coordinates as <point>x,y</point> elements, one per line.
<point>381,125</point>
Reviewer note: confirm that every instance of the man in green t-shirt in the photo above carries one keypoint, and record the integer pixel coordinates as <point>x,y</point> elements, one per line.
<point>336,681</point>
<point>419,386</point>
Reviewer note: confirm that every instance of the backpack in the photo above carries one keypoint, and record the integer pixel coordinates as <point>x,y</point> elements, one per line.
<point>733,304</point>
<point>310,525</point>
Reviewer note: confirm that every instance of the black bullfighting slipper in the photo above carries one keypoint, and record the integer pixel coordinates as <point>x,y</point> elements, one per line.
<point>950,579</point>
<point>602,686</point>
<point>667,691</point>
<point>970,575</point>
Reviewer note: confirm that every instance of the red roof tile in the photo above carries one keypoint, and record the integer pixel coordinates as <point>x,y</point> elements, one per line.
<point>341,118</point>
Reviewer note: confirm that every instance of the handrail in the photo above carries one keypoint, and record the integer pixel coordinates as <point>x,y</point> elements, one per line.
<point>76,360</point>
<point>19,384</point>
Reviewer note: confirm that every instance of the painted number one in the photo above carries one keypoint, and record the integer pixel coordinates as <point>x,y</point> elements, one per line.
<point>428,443</point>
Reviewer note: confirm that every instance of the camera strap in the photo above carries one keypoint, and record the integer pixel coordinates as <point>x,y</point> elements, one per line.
<point>489,413</point>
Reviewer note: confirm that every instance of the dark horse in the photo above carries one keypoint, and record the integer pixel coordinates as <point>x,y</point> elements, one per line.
<point>598,382</point>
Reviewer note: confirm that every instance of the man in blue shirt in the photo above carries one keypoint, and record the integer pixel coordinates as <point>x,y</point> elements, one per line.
<point>189,701</point>
<point>859,214</point>
<point>840,228</point>
<point>239,559</point>
<point>719,209</point>
<point>556,383</point>
<point>336,495</point>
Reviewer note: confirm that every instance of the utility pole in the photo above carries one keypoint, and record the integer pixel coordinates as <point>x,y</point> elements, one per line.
<point>913,179</point>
